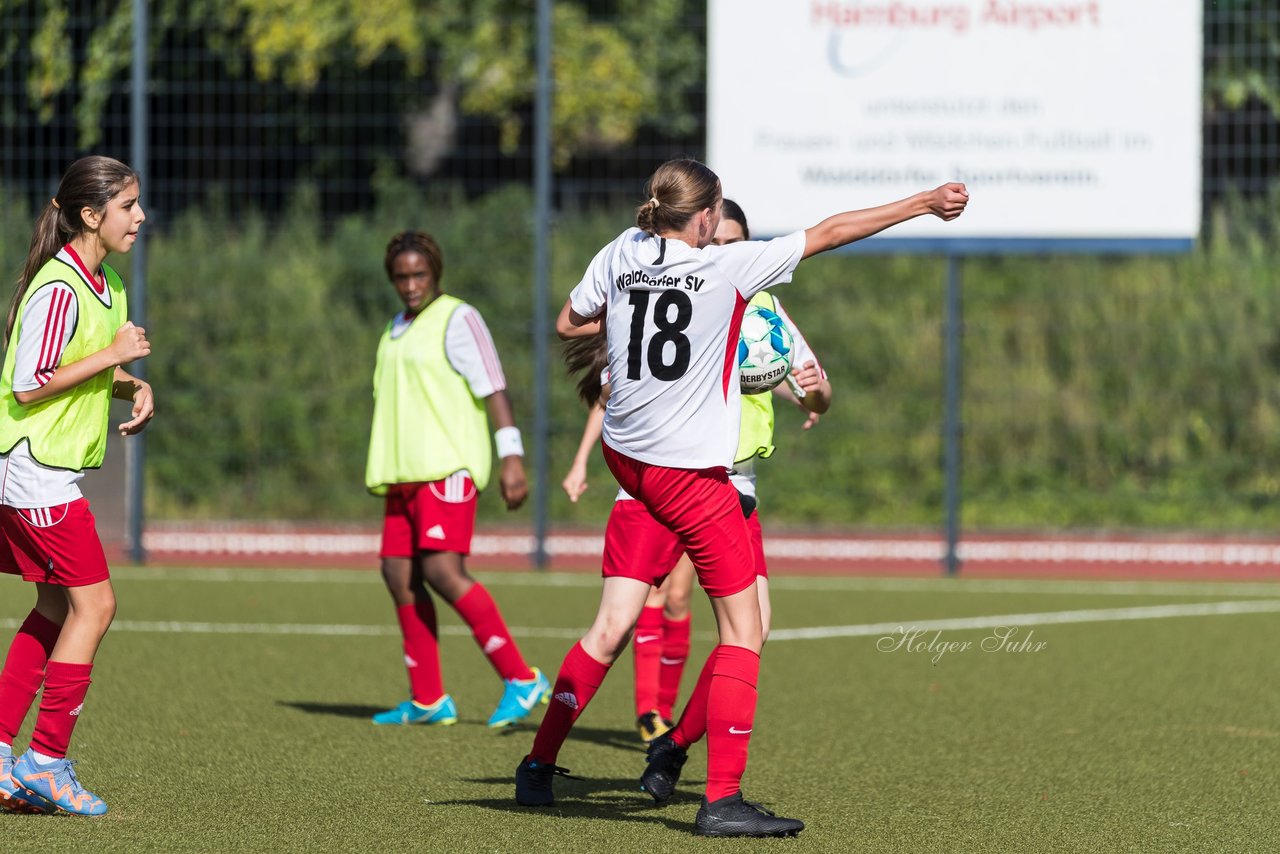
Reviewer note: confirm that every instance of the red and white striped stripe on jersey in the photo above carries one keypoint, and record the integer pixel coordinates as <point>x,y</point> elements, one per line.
<point>56,334</point>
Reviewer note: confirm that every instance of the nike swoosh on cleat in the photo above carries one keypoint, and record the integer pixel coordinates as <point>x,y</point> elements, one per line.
<point>738,731</point>
<point>528,704</point>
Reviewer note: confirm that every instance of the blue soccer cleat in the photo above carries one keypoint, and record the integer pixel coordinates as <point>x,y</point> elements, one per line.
<point>54,787</point>
<point>442,712</point>
<point>519,698</point>
<point>12,797</point>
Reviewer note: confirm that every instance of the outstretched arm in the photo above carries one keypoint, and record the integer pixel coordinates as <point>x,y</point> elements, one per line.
<point>946,202</point>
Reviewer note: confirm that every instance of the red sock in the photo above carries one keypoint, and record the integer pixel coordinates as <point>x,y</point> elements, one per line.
<point>421,650</point>
<point>64,688</point>
<point>731,711</point>
<point>675,650</point>
<point>693,722</point>
<point>24,671</point>
<point>490,631</point>
<point>648,654</point>
<point>576,683</point>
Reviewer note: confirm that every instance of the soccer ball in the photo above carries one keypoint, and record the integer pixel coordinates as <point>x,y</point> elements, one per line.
<point>764,350</point>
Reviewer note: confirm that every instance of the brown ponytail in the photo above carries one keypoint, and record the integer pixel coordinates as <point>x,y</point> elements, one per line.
<point>90,182</point>
<point>589,356</point>
<point>676,191</point>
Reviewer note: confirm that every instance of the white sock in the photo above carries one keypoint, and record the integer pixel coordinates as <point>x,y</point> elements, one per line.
<point>6,747</point>
<point>44,760</point>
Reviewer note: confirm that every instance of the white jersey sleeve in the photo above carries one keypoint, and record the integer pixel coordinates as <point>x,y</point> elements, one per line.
<point>470,350</point>
<point>753,265</point>
<point>48,319</point>
<point>590,296</point>
<point>803,352</point>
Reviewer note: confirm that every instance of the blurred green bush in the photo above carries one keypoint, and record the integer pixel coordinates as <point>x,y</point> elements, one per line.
<point>1102,392</point>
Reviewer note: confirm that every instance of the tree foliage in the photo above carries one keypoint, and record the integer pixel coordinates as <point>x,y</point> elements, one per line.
<point>1242,54</point>
<point>617,65</point>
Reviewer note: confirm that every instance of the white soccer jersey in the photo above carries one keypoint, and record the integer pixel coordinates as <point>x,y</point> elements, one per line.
<point>469,348</point>
<point>673,313</point>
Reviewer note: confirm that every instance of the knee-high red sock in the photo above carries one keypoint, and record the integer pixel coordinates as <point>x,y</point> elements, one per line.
<point>675,650</point>
<point>576,683</point>
<point>693,721</point>
<point>731,712</point>
<point>421,650</point>
<point>24,671</point>
<point>64,688</point>
<point>648,654</point>
<point>481,613</point>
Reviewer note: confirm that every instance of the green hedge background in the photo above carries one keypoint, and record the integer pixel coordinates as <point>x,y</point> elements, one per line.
<point>1099,392</point>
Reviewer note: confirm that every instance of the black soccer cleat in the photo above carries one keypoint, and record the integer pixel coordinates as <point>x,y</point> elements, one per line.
<point>733,816</point>
<point>533,782</point>
<point>660,776</point>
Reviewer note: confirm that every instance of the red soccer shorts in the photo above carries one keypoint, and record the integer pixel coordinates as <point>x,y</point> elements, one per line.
<point>638,546</point>
<point>439,516</point>
<point>55,545</point>
<point>701,507</point>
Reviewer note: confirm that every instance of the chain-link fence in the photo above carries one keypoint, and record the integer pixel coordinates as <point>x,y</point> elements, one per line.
<point>286,146</point>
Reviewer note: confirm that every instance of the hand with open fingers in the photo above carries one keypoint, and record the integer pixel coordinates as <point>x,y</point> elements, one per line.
<point>144,407</point>
<point>512,482</point>
<point>948,201</point>
<point>811,420</point>
<point>130,343</point>
<point>575,482</point>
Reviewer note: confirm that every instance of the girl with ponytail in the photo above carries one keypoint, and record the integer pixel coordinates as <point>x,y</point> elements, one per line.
<point>67,337</point>
<point>670,304</point>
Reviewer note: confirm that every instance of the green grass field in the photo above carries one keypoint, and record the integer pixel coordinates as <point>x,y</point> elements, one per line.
<point>230,713</point>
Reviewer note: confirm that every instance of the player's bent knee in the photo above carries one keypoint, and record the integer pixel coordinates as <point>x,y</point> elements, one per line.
<point>605,642</point>
<point>601,648</point>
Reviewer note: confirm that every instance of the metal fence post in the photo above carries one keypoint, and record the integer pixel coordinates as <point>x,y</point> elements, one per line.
<point>135,446</point>
<point>542,276</point>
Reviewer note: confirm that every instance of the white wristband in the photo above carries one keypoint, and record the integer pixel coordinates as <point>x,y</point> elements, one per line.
<point>507,440</point>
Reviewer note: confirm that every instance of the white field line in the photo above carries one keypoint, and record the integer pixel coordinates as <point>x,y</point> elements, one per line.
<point>1095,587</point>
<point>1092,615</point>
<point>232,542</point>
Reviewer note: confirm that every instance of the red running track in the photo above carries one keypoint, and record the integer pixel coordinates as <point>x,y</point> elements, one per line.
<point>981,555</point>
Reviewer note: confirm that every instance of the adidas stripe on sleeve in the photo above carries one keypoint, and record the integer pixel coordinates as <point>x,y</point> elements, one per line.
<point>48,320</point>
